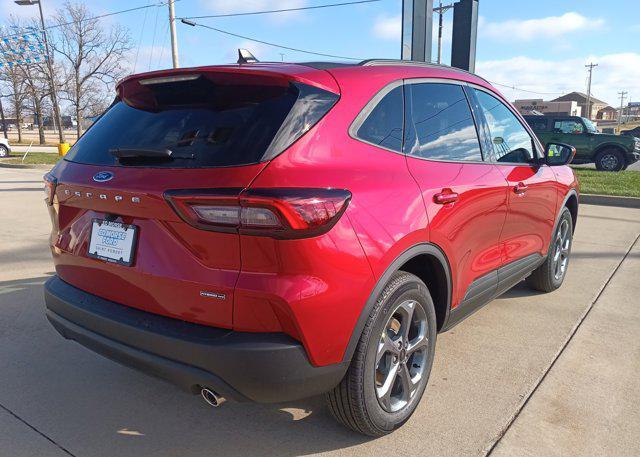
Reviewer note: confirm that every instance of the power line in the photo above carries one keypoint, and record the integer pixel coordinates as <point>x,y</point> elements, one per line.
<point>513,86</point>
<point>144,21</point>
<point>282,10</point>
<point>225,32</point>
<point>100,16</point>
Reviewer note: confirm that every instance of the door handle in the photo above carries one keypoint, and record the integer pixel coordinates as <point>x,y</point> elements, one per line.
<point>445,196</point>
<point>520,188</point>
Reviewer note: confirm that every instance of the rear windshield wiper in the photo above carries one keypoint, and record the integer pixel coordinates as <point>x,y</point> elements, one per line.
<point>158,154</point>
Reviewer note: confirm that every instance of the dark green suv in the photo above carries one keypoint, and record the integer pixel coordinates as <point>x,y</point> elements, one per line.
<point>608,152</point>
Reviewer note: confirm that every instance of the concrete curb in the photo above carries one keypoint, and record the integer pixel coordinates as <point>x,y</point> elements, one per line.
<point>24,165</point>
<point>610,200</point>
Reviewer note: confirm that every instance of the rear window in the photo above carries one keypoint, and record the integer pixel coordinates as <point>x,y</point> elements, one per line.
<point>537,123</point>
<point>202,124</point>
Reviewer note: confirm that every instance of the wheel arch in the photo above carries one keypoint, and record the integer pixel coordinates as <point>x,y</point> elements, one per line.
<point>429,263</point>
<point>604,147</point>
<point>570,201</point>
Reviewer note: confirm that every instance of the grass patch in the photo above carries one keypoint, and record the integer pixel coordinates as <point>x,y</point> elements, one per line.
<point>622,183</point>
<point>32,158</point>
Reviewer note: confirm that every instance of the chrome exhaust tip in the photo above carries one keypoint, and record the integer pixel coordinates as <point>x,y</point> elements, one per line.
<point>211,397</point>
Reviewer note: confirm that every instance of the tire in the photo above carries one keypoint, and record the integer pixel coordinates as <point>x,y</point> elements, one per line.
<point>550,275</point>
<point>610,160</point>
<point>4,152</point>
<point>358,402</point>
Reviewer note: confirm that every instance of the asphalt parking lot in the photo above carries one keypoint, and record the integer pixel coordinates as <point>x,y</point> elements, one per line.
<point>530,374</point>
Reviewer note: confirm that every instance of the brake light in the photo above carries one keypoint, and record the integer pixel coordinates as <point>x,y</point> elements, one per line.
<point>280,212</point>
<point>50,183</point>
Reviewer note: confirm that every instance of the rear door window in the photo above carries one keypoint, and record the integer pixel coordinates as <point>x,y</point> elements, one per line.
<point>568,126</point>
<point>210,126</point>
<point>439,123</point>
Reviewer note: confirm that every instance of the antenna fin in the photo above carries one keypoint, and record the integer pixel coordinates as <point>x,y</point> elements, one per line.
<point>244,56</point>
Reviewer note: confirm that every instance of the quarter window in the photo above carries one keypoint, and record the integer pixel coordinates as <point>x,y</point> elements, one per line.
<point>383,126</point>
<point>510,140</point>
<point>439,123</point>
<point>568,126</point>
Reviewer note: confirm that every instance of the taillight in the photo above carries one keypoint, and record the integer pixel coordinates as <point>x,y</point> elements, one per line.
<point>50,183</point>
<point>279,212</point>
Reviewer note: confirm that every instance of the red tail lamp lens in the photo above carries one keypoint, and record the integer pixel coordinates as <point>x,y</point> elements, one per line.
<point>49,188</point>
<point>281,212</point>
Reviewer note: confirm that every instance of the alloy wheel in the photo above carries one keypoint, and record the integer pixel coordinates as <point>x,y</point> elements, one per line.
<point>401,356</point>
<point>609,162</point>
<point>561,250</point>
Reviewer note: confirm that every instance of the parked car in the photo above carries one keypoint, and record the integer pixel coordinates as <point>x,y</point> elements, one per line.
<point>5,149</point>
<point>272,231</point>
<point>632,132</point>
<point>609,152</point>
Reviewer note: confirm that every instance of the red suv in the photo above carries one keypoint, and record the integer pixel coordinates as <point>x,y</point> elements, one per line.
<point>271,231</point>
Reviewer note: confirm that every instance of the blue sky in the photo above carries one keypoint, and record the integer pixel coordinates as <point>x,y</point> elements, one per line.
<point>539,46</point>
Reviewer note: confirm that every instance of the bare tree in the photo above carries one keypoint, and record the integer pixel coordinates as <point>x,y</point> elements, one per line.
<point>15,92</point>
<point>93,58</point>
<point>37,87</point>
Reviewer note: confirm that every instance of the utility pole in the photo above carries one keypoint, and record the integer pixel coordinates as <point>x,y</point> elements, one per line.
<point>441,10</point>
<point>4,122</point>
<point>590,67</point>
<point>54,96</point>
<point>622,95</point>
<point>174,35</point>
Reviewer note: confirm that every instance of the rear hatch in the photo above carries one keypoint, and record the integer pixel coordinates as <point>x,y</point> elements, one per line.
<point>198,131</point>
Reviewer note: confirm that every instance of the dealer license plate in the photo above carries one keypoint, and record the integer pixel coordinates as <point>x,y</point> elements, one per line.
<point>112,241</point>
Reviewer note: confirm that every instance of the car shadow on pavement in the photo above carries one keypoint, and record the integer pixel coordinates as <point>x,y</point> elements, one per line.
<point>518,291</point>
<point>94,406</point>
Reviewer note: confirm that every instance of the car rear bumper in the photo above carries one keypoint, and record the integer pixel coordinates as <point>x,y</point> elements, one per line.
<point>261,367</point>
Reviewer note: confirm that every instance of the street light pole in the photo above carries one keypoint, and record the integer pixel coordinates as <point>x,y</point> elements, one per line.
<point>174,35</point>
<point>52,84</point>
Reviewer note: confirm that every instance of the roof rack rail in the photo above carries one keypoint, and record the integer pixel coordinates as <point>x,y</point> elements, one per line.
<point>416,63</point>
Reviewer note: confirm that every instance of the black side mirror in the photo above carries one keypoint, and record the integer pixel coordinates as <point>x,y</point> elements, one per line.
<point>559,154</point>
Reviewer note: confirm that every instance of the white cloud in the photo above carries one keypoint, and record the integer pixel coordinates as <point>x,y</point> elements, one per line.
<point>528,29</point>
<point>614,72</point>
<point>388,27</point>
<point>149,58</point>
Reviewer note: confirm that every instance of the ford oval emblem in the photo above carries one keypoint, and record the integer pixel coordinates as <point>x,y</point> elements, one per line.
<point>103,176</point>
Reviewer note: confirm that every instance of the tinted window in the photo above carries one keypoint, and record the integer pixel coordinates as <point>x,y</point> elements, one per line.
<point>439,123</point>
<point>510,140</point>
<point>204,127</point>
<point>537,122</point>
<point>568,126</point>
<point>383,126</point>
